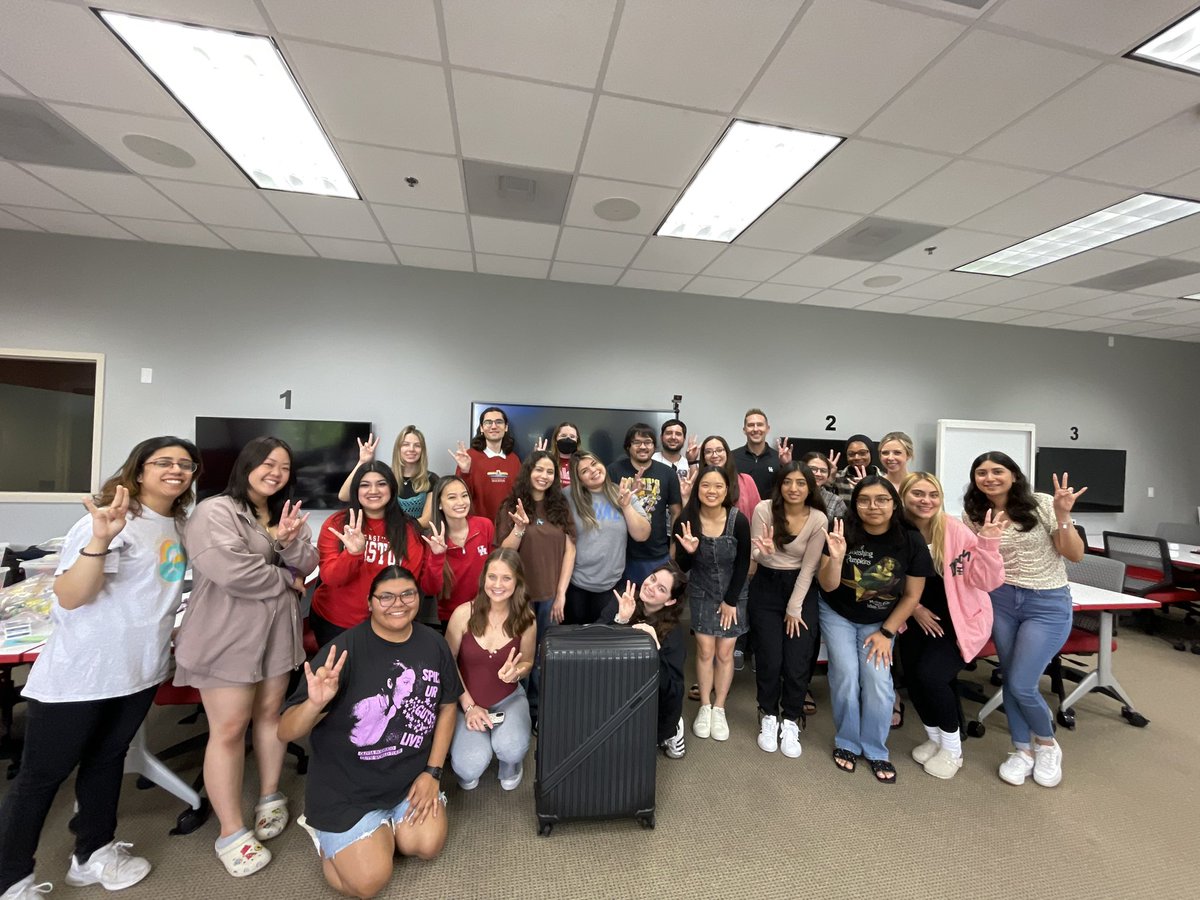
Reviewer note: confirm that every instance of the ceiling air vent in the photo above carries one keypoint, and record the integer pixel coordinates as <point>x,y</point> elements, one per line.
<point>30,133</point>
<point>874,239</point>
<point>511,192</point>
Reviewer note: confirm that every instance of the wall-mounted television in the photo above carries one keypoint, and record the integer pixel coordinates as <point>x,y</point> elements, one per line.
<point>323,453</point>
<point>1102,472</point>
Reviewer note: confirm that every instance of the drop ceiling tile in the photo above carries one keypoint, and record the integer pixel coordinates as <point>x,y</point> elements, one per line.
<point>326,216</point>
<point>988,80</point>
<point>718,287</point>
<point>355,251</point>
<point>506,237</point>
<point>677,255</point>
<point>1057,298</point>
<point>951,248</point>
<point>511,265</point>
<point>819,271</point>
<point>604,248</point>
<point>837,43</point>
<point>706,58</point>
<point>904,276</point>
<point>894,304</point>
<point>379,173</point>
<point>584,273</point>
<point>429,258</point>
<point>1044,319</point>
<point>946,310</point>
<point>749,263</point>
<point>838,299</point>
<point>1131,328</point>
<point>423,227</point>
<point>860,176</point>
<point>19,188</point>
<point>1188,186</point>
<point>1106,304</point>
<point>795,229</point>
<point>10,88</point>
<point>1164,306</point>
<point>1082,266</point>
<point>1109,26</point>
<point>1084,323</point>
<point>66,222</point>
<point>999,291</point>
<point>962,189</point>
<point>1173,238</point>
<point>108,129</point>
<point>544,39</point>
<point>214,205</point>
<point>781,293</point>
<point>943,286</point>
<point>171,232</point>
<point>264,241</point>
<point>1112,104</point>
<point>1164,152</point>
<point>1176,287</point>
<point>995,314</point>
<point>655,281</point>
<point>519,122</point>
<point>671,143</point>
<point>375,99</point>
<point>404,29</point>
<point>236,15</point>
<point>111,193</point>
<point>653,201</point>
<point>9,220</point>
<point>1047,205</point>
<point>64,52</point>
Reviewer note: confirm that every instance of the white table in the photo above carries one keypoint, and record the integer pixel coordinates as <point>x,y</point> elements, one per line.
<point>1186,556</point>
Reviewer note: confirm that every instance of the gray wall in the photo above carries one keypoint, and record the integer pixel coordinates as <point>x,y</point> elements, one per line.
<point>227,332</point>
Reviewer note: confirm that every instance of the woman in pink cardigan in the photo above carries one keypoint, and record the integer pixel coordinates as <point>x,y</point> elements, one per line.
<point>953,620</point>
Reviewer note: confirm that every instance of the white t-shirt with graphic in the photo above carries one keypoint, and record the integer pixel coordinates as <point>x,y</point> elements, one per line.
<point>119,643</point>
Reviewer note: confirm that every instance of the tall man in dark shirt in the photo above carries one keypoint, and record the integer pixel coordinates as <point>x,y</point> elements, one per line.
<point>656,486</point>
<point>756,457</point>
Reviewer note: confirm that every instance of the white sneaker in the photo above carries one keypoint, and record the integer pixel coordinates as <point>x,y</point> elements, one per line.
<point>469,785</point>
<point>923,753</point>
<point>702,727</point>
<point>789,738</point>
<point>25,889</point>
<point>111,866</point>
<point>1017,767</point>
<point>674,747</point>
<point>768,734</point>
<point>720,728</point>
<point>1047,766</point>
<point>510,784</point>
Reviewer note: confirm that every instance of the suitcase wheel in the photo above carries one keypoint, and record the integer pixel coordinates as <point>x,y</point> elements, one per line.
<point>545,828</point>
<point>646,821</point>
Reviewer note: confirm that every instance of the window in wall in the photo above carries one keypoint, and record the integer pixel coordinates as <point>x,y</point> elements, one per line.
<point>50,404</point>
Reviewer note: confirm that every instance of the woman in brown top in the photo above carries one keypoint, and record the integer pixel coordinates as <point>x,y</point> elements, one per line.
<point>240,638</point>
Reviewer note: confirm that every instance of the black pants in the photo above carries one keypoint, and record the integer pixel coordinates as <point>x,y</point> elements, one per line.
<point>931,665</point>
<point>323,630</point>
<point>784,664</point>
<point>670,703</point>
<point>92,735</point>
<point>583,607</point>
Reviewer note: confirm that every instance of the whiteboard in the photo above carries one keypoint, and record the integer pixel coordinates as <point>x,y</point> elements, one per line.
<point>959,441</point>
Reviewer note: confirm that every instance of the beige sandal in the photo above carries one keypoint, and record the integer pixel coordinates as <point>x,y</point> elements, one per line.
<point>244,857</point>
<point>270,819</point>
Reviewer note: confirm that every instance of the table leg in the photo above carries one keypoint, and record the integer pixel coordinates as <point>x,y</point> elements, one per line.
<point>1101,676</point>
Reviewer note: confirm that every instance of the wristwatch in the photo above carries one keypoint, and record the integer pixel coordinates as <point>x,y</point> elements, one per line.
<point>435,771</point>
<point>887,634</point>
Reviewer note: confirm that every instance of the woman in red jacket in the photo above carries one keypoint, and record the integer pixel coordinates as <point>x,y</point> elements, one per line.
<point>461,547</point>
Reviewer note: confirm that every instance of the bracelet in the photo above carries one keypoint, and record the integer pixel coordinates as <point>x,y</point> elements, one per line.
<point>519,534</point>
<point>467,711</point>
<point>1065,525</point>
<point>96,555</point>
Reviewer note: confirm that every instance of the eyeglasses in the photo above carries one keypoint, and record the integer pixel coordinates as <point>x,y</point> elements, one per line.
<point>879,502</point>
<point>642,443</point>
<point>715,451</point>
<point>185,464</point>
<point>492,423</point>
<point>387,601</point>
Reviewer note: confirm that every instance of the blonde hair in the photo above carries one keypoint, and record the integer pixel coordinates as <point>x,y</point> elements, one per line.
<point>901,438</point>
<point>937,525</point>
<point>583,497</point>
<point>421,482</point>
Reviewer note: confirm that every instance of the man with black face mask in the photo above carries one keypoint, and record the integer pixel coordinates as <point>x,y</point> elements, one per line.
<point>673,435</point>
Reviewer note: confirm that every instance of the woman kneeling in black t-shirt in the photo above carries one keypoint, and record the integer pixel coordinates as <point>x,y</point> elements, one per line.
<point>381,716</point>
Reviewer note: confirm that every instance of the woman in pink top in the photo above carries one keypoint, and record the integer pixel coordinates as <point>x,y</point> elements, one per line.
<point>493,638</point>
<point>714,451</point>
<point>953,620</point>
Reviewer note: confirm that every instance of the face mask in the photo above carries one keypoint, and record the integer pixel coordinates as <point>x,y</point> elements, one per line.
<point>566,446</point>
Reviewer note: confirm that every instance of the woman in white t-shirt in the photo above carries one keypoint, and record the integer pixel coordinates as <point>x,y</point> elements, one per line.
<point>118,587</point>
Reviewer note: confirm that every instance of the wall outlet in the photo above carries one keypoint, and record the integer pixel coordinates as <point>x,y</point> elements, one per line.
<point>1150,492</point>
<point>1112,341</point>
<point>147,376</point>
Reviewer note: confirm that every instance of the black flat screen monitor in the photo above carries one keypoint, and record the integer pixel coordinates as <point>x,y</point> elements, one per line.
<point>1102,472</point>
<point>323,453</point>
<point>602,431</point>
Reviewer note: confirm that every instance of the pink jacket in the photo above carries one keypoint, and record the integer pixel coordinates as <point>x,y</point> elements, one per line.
<point>972,568</point>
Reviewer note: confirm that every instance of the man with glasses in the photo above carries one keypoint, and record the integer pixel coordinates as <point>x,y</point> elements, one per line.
<point>656,486</point>
<point>489,466</point>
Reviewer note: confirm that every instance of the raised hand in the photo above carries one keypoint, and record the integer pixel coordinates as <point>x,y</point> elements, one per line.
<point>859,473</point>
<point>793,624</point>
<point>323,683</point>
<point>928,620</point>
<point>835,540</point>
<point>626,602</point>
<point>290,523</point>
<point>785,450</point>
<point>993,527</point>
<point>687,540</point>
<point>765,542</point>
<point>540,444</point>
<point>108,521</point>
<point>461,457</point>
<point>625,493</point>
<point>1064,497</point>
<point>519,517</point>
<point>686,483</point>
<point>351,534</point>
<point>510,671</point>
<point>436,539</point>
<point>366,452</point>
<point>692,454</point>
<point>833,461</point>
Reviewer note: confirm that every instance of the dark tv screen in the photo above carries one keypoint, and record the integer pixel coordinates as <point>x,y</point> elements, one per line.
<point>323,453</point>
<point>1102,472</point>
<point>602,431</point>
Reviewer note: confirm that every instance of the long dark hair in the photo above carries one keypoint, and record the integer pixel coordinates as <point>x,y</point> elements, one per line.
<point>479,442</point>
<point>558,513</point>
<point>555,455</point>
<point>664,623</point>
<point>691,512</point>
<point>1021,506</point>
<point>730,467</point>
<point>520,613</point>
<point>437,521</point>
<point>778,510</point>
<point>252,456</point>
<point>395,520</point>
<point>129,476</point>
<point>856,533</point>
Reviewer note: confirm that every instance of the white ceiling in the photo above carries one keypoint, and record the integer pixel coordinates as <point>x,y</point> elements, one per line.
<point>995,124</point>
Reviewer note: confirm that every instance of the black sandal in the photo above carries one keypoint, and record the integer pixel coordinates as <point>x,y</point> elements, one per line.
<point>845,756</point>
<point>810,705</point>
<point>694,692</point>
<point>898,711</point>
<point>882,767</point>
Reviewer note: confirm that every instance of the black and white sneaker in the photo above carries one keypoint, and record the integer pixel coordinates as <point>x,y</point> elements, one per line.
<point>673,747</point>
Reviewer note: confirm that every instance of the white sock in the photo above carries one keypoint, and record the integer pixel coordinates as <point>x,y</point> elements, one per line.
<point>951,742</point>
<point>935,734</point>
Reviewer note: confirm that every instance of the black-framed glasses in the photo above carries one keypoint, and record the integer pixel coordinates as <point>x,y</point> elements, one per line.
<point>408,598</point>
<point>185,464</point>
<point>879,502</point>
<point>491,423</point>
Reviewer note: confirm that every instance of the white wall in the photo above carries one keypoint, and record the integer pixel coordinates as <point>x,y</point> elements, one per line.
<point>227,332</point>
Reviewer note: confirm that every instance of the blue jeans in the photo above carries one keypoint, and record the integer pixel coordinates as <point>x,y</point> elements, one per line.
<point>636,570</point>
<point>332,843</point>
<point>861,695</point>
<point>1029,628</point>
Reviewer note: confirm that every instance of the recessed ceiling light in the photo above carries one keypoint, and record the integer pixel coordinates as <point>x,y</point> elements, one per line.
<point>159,151</point>
<point>616,209</point>
<point>1129,217</point>
<point>239,89</point>
<point>1178,46</point>
<point>882,280</point>
<point>751,167</point>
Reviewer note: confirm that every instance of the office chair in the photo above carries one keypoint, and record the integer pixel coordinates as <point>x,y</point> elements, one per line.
<point>1149,573</point>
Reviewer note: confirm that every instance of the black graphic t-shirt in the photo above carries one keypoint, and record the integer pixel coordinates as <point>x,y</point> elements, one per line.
<point>659,491</point>
<point>873,575</point>
<point>375,738</point>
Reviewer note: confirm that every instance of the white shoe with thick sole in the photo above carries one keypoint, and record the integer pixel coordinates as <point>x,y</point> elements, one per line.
<point>1016,768</point>
<point>720,727</point>
<point>112,866</point>
<point>789,738</point>
<point>702,726</point>
<point>768,734</point>
<point>1047,764</point>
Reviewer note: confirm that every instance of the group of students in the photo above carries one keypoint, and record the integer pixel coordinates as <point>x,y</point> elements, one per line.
<point>748,540</point>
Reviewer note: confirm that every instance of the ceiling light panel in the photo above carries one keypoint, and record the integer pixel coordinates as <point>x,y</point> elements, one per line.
<point>240,90</point>
<point>1132,216</point>
<point>1177,47</point>
<point>751,167</point>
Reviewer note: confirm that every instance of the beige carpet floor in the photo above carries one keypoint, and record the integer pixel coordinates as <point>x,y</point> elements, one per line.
<point>734,821</point>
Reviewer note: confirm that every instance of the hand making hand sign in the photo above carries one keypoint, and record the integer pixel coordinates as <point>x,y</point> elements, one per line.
<point>323,683</point>
<point>994,527</point>
<point>626,602</point>
<point>461,457</point>
<point>108,521</point>
<point>511,670</point>
<point>785,450</point>
<point>351,534</point>
<point>835,540</point>
<point>687,540</point>
<point>290,523</point>
<point>436,539</point>
<point>366,451</point>
<point>765,542</point>
<point>520,518</point>
<point>686,483</point>
<point>1064,497</point>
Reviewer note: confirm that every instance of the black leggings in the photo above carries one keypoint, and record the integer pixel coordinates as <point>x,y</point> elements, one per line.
<point>92,735</point>
<point>583,607</point>
<point>323,630</point>
<point>931,665</point>
<point>783,664</point>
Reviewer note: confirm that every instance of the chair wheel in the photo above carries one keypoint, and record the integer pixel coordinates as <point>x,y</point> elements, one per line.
<point>191,819</point>
<point>1066,718</point>
<point>1135,718</point>
<point>143,783</point>
<point>1180,645</point>
<point>544,829</point>
<point>976,729</point>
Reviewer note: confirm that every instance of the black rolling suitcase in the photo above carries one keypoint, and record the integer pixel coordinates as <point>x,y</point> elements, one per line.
<point>597,725</point>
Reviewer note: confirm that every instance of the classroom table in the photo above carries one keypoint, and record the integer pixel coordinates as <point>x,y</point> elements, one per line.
<point>1186,556</point>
